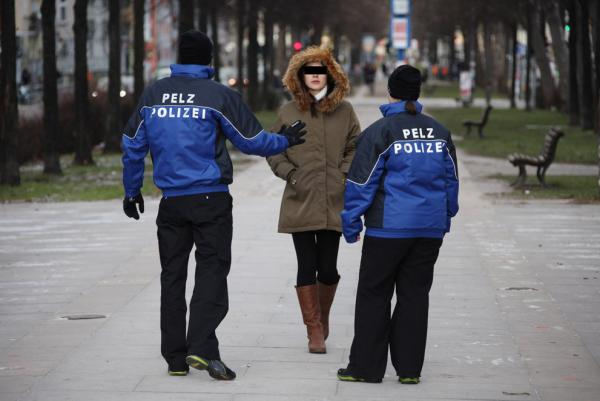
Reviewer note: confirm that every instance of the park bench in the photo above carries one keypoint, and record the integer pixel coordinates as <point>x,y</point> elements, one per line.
<point>479,124</point>
<point>542,162</point>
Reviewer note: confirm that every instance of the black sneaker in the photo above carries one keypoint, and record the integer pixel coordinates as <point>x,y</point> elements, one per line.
<point>409,380</point>
<point>216,368</point>
<point>174,372</point>
<point>346,375</point>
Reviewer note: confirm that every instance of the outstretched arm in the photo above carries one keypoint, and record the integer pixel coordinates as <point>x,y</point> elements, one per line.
<point>243,129</point>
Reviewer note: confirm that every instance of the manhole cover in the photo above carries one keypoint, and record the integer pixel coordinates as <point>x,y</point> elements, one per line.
<point>83,317</point>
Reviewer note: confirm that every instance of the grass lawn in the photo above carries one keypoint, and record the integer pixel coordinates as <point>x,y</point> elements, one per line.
<point>446,89</point>
<point>510,131</point>
<point>577,188</point>
<point>267,118</point>
<point>78,183</point>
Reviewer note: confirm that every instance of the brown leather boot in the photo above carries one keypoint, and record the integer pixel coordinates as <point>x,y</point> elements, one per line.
<point>308,297</point>
<point>326,295</point>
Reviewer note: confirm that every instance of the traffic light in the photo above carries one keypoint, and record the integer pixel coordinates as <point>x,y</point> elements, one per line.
<point>297,46</point>
<point>567,27</point>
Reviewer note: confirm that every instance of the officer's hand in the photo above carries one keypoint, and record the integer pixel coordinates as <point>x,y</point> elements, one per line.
<point>294,132</point>
<point>129,206</point>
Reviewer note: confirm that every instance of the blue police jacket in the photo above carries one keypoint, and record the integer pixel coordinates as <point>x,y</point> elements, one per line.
<point>403,178</point>
<point>184,121</point>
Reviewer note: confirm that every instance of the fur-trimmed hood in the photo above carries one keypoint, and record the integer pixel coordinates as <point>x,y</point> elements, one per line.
<point>303,98</point>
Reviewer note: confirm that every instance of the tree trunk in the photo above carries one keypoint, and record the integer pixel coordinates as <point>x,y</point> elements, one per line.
<point>560,52</point>
<point>596,33</point>
<point>317,34</point>
<point>252,57</point>
<point>598,134</point>
<point>83,145</point>
<point>51,156</point>
<point>186,15</point>
<point>336,41</point>
<point>281,49</point>
<point>528,64</point>
<point>138,48</point>
<point>467,44</point>
<point>113,127</point>
<point>9,111</point>
<point>240,43</point>
<point>573,81</point>
<point>513,75</point>
<point>480,65</point>
<point>202,15</point>
<point>214,24</point>
<point>268,59</point>
<point>541,58</point>
<point>452,56</point>
<point>489,62</point>
<point>584,64</point>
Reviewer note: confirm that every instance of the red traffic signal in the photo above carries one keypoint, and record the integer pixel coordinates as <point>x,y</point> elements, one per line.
<point>297,46</point>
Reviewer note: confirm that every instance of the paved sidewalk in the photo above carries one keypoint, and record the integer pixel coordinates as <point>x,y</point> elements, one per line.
<point>515,306</point>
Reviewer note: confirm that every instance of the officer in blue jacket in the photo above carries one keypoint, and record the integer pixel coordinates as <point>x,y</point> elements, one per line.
<point>404,180</point>
<point>184,121</point>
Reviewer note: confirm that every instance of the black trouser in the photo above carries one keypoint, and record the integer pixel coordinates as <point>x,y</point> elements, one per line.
<point>204,220</point>
<point>317,253</point>
<point>407,264</point>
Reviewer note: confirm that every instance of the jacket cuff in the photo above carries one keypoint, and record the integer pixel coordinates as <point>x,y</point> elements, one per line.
<point>284,171</point>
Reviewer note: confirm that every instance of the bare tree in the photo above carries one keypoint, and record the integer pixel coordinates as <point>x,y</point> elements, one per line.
<point>541,56</point>
<point>83,146</point>
<point>559,46</point>
<point>9,111</point>
<point>214,25</point>
<point>186,15</point>
<point>241,10</point>
<point>252,56</point>
<point>573,81</point>
<point>113,126</point>
<point>584,64</point>
<point>138,48</point>
<point>203,12</point>
<point>51,156</point>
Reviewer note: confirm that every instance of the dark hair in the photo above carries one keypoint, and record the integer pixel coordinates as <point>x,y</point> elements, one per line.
<point>410,108</point>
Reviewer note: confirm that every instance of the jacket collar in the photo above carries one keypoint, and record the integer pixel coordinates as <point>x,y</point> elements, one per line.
<point>192,70</point>
<point>390,109</point>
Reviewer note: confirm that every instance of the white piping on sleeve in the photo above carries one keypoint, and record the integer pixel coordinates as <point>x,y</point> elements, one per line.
<point>373,169</point>
<point>453,164</point>
<point>136,131</point>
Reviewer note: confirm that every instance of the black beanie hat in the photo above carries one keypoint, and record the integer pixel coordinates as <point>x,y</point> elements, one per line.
<point>405,83</point>
<point>195,48</point>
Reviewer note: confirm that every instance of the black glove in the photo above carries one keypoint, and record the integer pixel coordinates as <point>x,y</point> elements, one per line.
<point>129,206</point>
<point>294,132</point>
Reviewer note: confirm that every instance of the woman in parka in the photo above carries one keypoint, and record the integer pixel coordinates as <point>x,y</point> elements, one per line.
<point>315,173</point>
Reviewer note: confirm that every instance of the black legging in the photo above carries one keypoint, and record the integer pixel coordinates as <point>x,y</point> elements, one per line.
<point>317,256</point>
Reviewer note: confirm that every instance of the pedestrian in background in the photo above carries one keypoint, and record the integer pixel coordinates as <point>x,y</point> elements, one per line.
<point>315,173</point>
<point>184,121</point>
<point>404,180</point>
